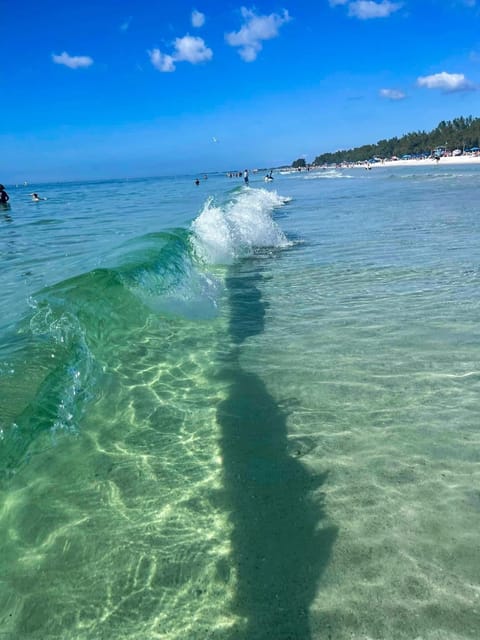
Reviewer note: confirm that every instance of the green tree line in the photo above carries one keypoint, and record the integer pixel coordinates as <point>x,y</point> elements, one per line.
<point>460,133</point>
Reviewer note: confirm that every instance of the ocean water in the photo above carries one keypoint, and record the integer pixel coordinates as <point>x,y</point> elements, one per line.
<point>242,413</point>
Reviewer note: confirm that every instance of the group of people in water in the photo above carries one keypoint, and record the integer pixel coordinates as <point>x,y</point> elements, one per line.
<point>235,174</point>
<point>230,175</point>
<point>4,197</point>
<point>245,176</point>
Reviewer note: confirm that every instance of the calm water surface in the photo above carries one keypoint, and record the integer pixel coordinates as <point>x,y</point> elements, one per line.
<point>242,413</point>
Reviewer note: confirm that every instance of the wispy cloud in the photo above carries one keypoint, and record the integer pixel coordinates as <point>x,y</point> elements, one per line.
<point>368,9</point>
<point>448,82</point>
<point>125,26</point>
<point>187,49</point>
<point>254,31</point>
<point>198,18</point>
<point>392,94</point>
<point>73,62</point>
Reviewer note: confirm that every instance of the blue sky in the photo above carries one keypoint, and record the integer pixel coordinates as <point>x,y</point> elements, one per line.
<point>123,88</point>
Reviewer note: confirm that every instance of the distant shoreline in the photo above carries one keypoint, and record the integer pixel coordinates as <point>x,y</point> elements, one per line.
<point>414,162</point>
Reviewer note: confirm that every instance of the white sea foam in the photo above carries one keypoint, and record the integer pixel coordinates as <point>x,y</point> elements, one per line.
<point>327,175</point>
<point>227,232</point>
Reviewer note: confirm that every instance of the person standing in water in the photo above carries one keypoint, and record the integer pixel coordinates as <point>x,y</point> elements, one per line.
<point>245,176</point>
<point>4,197</point>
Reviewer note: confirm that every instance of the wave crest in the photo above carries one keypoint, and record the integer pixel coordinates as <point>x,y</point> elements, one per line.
<point>222,234</point>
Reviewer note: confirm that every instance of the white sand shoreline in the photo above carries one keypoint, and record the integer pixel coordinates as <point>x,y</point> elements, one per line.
<point>424,162</point>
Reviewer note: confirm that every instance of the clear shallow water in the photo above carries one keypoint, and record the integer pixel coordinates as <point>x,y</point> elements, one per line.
<point>242,414</point>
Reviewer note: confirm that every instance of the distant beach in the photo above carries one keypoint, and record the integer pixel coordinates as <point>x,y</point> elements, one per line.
<point>410,162</point>
<point>422,162</point>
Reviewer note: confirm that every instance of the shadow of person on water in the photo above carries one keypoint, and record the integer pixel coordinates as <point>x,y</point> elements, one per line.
<point>280,546</point>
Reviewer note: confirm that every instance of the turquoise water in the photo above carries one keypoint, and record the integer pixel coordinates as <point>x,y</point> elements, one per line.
<point>242,413</point>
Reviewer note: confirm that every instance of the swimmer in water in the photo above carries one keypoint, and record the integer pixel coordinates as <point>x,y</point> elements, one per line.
<point>36,197</point>
<point>4,197</point>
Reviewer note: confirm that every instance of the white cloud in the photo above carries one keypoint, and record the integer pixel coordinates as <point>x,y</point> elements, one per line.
<point>161,61</point>
<point>392,94</point>
<point>74,62</point>
<point>368,9</point>
<point>254,30</point>
<point>198,18</point>
<point>446,81</point>
<point>187,49</point>
<point>191,49</point>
